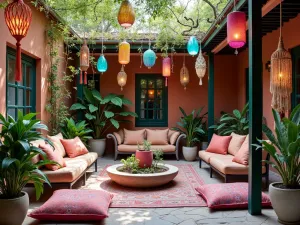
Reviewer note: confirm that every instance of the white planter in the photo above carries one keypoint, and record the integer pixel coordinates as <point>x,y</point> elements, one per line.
<point>285,203</point>
<point>97,145</point>
<point>13,211</point>
<point>204,145</point>
<point>190,153</point>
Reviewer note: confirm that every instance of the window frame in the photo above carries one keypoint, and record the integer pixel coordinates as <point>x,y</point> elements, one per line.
<point>138,89</point>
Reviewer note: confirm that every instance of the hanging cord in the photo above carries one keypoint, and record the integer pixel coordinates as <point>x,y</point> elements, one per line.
<point>234,5</point>
<point>280,20</point>
<point>102,36</point>
<point>172,58</point>
<point>141,53</point>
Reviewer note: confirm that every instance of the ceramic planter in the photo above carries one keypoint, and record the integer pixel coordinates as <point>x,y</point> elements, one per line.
<point>97,145</point>
<point>145,158</point>
<point>13,211</point>
<point>285,203</point>
<point>189,153</point>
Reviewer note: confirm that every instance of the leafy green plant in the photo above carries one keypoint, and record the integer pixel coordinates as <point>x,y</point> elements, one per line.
<point>103,112</point>
<point>192,126</point>
<point>146,146</point>
<point>70,130</point>
<point>236,122</point>
<point>284,147</point>
<point>16,152</point>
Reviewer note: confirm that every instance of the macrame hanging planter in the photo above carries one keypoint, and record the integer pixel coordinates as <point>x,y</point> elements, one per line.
<point>84,61</point>
<point>122,78</point>
<point>281,76</point>
<point>184,75</point>
<point>200,66</point>
<point>18,17</point>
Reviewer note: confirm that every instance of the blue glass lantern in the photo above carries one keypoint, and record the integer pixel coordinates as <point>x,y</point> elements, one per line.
<point>102,64</point>
<point>149,58</point>
<point>193,46</point>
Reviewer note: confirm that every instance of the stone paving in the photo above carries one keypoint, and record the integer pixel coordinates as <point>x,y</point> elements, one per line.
<point>171,216</point>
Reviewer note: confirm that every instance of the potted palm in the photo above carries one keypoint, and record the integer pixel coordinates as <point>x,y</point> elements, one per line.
<point>285,151</point>
<point>191,126</point>
<point>144,155</point>
<point>16,167</point>
<point>102,113</point>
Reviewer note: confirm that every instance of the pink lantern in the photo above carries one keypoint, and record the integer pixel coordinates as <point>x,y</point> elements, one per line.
<point>236,29</point>
<point>166,68</point>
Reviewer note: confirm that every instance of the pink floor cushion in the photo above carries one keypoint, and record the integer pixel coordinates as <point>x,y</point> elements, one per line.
<point>228,196</point>
<point>74,205</point>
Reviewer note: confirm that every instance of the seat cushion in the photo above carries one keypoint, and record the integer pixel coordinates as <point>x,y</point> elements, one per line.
<point>90,158</point>
<point>133,148</point>
<point>206,156</point>
<point>219,144</point>
<point>74,205</point>
<point>157,137</point>
<point>74,147</point>
<point>57,144</point>
<point>226,166</point>
<point>134,137</point>
<point>235,143</point>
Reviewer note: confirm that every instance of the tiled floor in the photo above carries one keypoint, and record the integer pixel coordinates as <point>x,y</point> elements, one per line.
<point>172,216</point>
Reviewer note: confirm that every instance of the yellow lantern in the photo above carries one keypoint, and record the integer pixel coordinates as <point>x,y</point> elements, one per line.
<point>126,15</point>
<point>184,75</point>
<point>122,78</point>
<point>124,53</point>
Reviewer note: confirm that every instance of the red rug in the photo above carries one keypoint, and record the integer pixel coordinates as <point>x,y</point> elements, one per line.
<point>178,193</point>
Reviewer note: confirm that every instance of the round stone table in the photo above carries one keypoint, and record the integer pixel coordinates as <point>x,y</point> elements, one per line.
<point>142,180</point>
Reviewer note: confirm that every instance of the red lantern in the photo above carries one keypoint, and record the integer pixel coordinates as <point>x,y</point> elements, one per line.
<point>236,29</point>
<point>84,61</point>
<point>18,18</point>
<point>166,68</point>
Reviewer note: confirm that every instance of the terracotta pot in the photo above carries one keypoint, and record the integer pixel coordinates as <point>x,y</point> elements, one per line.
<point>97,145</point>
<point>285,203</point>
<point>13,211</point>
<point>145,158</point>
<point>190,153</point>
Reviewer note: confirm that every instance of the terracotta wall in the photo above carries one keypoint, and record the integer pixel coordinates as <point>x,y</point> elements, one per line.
<point>35,46</point>
<point>291,39</point>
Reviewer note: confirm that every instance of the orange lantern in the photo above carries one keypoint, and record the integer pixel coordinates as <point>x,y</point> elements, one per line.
<point>84,61</point>
<point>166,70</point>
<point>124,53</point>
<point>18,17</point>
<point>126,15</point>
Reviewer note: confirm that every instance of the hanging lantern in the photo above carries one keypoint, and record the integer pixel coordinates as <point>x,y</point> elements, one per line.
<point>149,58</point>
<point>184,75</point>
<point>102,64</point>
<point>166,67</point>
<point>18,18</point>
<point>122,78</point>
<point>200,67</point>
<point>193,46</point>
<point>126,15</point>
<point>84,61</point>
<point>236,29</point>
<point>281,76</point>
<point>124,53</point>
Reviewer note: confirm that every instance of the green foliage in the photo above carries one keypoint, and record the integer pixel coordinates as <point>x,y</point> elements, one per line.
<point>70,130</point>
<point>192,126</point>
<point>284,147</point>
<point>146,146</point>
<point>130,164</point>
<point>236,122</point>
<point>103,112</point>
<point>16,152</point>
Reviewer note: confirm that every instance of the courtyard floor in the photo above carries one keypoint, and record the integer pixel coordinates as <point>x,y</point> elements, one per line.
<point>169,216</point>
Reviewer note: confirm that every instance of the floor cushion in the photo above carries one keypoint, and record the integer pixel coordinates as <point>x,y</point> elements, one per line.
<point>74,147</point>
<point>74,205</point>
<point>219,144</point>
<point>134,137</point>
<point>242,156</point>
<point>52,155</point>
<point>228,196</point>
<point>235,143</point>
<point>57,144</point>
<point>157,137</point>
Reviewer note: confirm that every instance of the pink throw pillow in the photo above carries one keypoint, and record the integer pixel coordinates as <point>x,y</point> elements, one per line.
<point>119,136</point>
<point>74,147</point>
<point>57,144</point>
<point>54,156</point>
<point>219,144</point>
<point>157,137</point>
<point>134,137</point>
<point>228,196</point>
<point>74,205</point>
<point>172,136</point>
<point>235,143</point>
<point>242,156</point>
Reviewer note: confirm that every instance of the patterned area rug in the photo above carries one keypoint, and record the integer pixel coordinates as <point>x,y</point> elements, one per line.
<point>178,193</point>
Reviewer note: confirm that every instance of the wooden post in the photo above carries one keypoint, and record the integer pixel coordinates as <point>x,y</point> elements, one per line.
<point>211,97</point>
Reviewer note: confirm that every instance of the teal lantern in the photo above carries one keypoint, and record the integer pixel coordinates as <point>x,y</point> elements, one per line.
<point>102,64</point>
<point>149,58</point>
<point>193,46</point>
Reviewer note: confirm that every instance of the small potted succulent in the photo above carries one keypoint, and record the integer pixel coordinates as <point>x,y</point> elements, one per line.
<point>144,155</point>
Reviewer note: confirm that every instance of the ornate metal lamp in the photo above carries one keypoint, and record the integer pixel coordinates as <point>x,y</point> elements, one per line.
<point>122,78</point>
<point>200,66</point>
<point>84,61</point>
<point>126,15</point>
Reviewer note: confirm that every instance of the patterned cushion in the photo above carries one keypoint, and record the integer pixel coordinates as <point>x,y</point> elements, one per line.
<point>74,205</point>
<point>133,137</point>
<point>53,155</point>
<point>157,137</point>
<point>219,144</point>
<point>228,196</point>
<point>74,147</point>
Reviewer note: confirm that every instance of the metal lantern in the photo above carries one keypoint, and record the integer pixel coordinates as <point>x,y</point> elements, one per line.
<point>281,76</point>
<point>102,64</point>
<point>124,53</point>
<point>84,61</point>
<point>166,68</point>
<point>200,66</point>
<point>184,75</point>
<point>149,58</point>
<point>18,17</point>
<point>193,46</point>
<point>122,78</point>
<point>236,29</point>
<point>126,15</point>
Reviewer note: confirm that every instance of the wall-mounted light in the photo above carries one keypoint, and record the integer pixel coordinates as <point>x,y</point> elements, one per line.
<point>268,66</point>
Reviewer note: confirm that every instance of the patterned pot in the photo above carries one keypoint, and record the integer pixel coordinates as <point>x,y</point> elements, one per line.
<point>145,158</point>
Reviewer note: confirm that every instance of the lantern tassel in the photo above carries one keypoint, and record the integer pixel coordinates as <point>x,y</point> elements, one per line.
<point>18,75</point>
<point>85,77</point>
<point>166,84</point>
<point>200,83</point>
<point>80,80</point>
